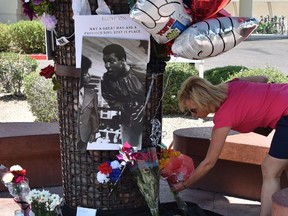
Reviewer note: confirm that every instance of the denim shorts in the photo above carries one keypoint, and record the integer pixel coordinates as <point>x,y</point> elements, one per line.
<point>279,144</point>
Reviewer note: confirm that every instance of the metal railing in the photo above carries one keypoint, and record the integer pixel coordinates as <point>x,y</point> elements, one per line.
<point>272,25</point>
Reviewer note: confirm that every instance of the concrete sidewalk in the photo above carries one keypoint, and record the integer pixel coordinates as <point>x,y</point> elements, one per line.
<point>215,202</point>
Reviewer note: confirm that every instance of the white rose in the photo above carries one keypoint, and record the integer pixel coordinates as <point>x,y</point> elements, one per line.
<point>102,178</point>
<point>15,168</point>
<point>7,178</point>
<point>115,164</point>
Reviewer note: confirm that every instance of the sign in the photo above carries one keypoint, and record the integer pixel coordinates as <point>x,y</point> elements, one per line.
<point>119,26</point>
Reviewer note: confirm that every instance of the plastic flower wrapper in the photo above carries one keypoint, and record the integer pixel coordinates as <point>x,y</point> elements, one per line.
<point>145,168</point>
<point>176,167</point>
<point>3,170</point>
<point>18,186</point>
<point>44,203</point>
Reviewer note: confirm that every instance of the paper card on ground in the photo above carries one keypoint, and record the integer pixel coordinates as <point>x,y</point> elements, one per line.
<point>81,211</point>
<point>106,26</point>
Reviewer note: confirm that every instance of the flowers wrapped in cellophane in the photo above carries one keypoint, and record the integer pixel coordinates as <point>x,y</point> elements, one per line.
<point>18,186</point>
<point>145,167</point>
<point>176,167</point>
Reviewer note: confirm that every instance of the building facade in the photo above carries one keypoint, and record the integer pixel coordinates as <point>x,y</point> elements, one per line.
<point>12,11</point>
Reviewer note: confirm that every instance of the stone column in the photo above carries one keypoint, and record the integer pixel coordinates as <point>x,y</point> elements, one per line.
<point>245,8</point>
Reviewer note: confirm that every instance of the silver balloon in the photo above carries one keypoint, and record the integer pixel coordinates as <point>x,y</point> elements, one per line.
<point>213,36</point>
<point>163,19</point>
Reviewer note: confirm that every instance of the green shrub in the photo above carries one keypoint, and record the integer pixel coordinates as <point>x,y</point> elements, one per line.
<point>41,97</point>
<point>274,74</point>
<point>28,37</point>
<point>221,74</point>
<point>175,74</point>
<point>13,68</point>
<point>4,37</point>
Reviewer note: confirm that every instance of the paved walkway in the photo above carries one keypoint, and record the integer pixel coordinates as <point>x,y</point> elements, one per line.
<point>215,202</point>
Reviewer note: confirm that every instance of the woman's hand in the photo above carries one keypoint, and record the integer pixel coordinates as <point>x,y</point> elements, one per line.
<point>217,142</point>
<point>178,186</point>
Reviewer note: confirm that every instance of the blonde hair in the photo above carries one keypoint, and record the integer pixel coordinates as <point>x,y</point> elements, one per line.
<point>206,96</point>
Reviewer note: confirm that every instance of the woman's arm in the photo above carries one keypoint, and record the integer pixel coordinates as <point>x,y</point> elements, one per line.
<point>260,78</point>
<point>216,145</point>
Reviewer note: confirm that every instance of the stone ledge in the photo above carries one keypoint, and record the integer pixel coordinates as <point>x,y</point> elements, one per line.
<point>35,147</point>
<point>15,129</point>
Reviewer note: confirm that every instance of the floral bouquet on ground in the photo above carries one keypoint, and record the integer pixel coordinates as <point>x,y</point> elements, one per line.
<point>18,186</point>
<point>144,166</point>
<point>176,167</point>
<point>43,203</point>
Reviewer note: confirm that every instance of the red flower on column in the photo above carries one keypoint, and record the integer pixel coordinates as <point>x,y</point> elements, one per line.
<point>105,168</point>
<point>47,72</point>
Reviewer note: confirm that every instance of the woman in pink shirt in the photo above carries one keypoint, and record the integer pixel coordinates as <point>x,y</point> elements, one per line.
<point>242,104</point>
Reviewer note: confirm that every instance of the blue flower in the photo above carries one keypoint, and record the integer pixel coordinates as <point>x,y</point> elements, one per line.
<point>115,174</point>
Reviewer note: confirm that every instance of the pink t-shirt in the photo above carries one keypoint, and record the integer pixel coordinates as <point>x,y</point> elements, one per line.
<point>250,105</point>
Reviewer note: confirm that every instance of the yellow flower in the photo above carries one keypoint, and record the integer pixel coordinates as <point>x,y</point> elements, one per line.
<point>166,154</point>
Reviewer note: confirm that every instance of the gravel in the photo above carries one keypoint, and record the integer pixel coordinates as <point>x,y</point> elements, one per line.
<point>14,110</point>
<point>171,123</point>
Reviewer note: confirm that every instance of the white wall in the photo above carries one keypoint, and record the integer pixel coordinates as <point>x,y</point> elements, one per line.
<point>10,11</point>
<point>261,8</point>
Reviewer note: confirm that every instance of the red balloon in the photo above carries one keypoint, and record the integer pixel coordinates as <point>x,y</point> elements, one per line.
<point>205,9</point>
<point>223,13</point>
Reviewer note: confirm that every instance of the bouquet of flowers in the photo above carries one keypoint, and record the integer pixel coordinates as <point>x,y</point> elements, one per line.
<point>176,167</point>
<point>144,166</point>
<point>43,203</point>
<point>42,9</point>
<point>18,186</point>
<point>109,171</point>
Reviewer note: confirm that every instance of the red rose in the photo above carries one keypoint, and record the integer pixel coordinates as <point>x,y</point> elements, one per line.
<point>19,172</point>
<point>22,172</point>
<point>105,168</point>
<point>47,72</point>
<point>18,179</point>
